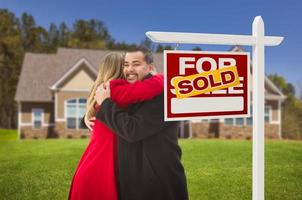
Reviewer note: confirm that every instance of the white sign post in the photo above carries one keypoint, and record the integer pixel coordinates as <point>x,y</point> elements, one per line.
<point>257,40</point>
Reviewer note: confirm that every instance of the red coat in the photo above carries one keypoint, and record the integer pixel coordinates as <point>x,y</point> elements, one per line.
<point>95,176</point>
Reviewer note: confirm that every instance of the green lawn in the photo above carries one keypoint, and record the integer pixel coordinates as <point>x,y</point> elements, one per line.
<point>215,169</point>
<point>7,134</point>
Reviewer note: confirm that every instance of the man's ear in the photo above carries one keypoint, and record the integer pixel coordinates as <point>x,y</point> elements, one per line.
<point>151,67</point>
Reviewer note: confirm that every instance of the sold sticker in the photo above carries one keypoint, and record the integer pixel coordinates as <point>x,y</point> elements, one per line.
<point>205,82</point>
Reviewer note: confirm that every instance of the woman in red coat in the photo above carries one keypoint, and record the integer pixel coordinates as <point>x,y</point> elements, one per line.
<point>95,176</point>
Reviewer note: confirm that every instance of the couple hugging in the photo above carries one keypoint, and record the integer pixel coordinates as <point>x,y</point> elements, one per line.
<point>133,154</point>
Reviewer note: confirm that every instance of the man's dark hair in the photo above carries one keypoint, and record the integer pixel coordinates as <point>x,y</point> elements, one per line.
<point>146,51</point>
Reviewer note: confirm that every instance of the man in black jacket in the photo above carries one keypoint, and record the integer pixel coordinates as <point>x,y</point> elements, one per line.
<point>149,164</point>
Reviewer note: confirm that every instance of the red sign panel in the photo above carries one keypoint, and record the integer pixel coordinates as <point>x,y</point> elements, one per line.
<point>201,84</point>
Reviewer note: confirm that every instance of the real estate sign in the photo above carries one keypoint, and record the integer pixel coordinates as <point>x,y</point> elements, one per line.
<point>201,84</point>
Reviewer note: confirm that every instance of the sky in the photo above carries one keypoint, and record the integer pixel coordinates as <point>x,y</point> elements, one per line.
<point>127,21</point>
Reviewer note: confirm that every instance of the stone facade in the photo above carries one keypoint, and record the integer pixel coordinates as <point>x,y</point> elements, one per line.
<point>59,131</point>
<point>63,132</point>
<point>27,132</point>
<point>199,130</point>
<point>220,130</point>
<point>205,130</point>
<point>235,132</point>
<point>272,130</point>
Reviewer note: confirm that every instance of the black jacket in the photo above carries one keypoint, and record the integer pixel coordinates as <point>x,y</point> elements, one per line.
<point>148,151</point>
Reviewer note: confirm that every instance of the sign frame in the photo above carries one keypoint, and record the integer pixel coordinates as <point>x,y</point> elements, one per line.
<point>166,118</point>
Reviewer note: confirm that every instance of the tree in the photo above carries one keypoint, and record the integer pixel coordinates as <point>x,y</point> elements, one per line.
<point>11,55</point>
<point>53,37</point>
<point>291,118</point>
<point>122,46</point>
<point>90,34</point>
<point>291,109</point>
<point>34,38</point>
<point>27,26</point>
<point>196,49</point>
<point>280,82</point>
<point>64,35</point>
<point>161,48</point>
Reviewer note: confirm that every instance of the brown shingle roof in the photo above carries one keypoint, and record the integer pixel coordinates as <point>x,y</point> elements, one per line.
<point>37,74</point>
<point>41,71</point>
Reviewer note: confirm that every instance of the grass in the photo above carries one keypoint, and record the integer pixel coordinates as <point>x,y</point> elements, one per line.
<point>215,169</point>
<point>8,134</point>
<point>222,169</point>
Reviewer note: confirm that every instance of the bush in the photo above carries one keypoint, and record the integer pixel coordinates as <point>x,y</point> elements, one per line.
<point>292,118</point>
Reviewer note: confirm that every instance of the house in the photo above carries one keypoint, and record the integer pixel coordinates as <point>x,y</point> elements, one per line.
<point>52,91</point>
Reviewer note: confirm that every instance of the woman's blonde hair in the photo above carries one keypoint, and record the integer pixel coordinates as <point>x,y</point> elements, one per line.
<point>110,68</point>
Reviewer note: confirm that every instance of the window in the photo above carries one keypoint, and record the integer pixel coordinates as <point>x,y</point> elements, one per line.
<point>267,111</point>
<point>75,110</point>
<point>229,121</point>
<point>37,117</point>
<point>234,121</point>
<point>210,120</point>
<point>239,121</point>
<point>248,120</point>
<point>214,120</point>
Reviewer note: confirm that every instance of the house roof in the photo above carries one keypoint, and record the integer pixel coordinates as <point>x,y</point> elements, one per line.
<point>41,71</point>
<point>38,71</point>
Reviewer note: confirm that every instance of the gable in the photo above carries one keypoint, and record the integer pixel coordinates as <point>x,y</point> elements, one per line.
<point>269,89</point>
<point>75,72</point>
<point>80,79</point>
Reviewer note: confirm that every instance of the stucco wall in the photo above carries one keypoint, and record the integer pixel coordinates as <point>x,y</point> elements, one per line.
<point>26,111</point>
<point>81,79</point>
<point>274,110</point>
